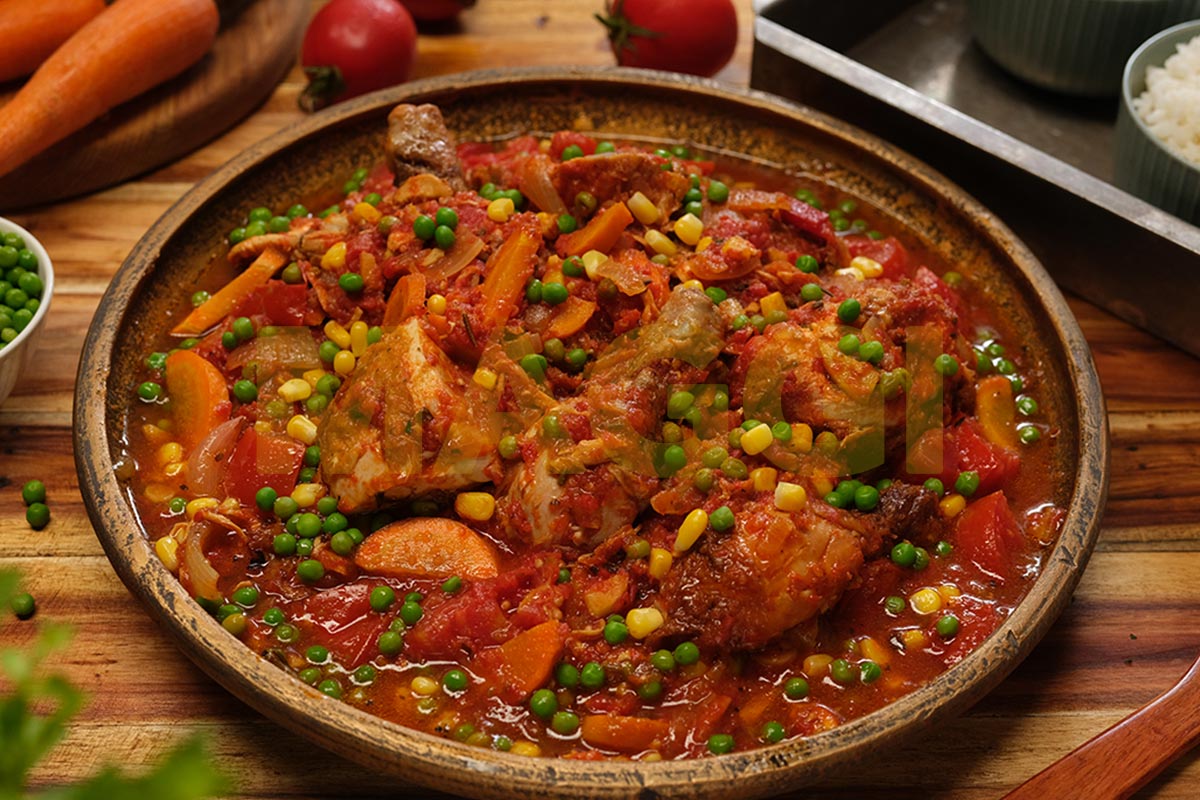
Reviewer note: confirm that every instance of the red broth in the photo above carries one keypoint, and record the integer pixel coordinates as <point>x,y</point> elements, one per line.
<point>636,476</point>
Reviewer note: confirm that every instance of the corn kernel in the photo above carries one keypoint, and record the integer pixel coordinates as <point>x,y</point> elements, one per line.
<point>693,525</point>
<point>650,755</point>
<point>476,506</point>
<point>773,302</point>
<point>692,284</point>
<point>790,496</point>
<point>295,390</point>
<point>643,621</point>
<point>660,562</point>
<point>913,639</point>
<point>194,507</point>
<point>500,209</point>
<point>689,229</point>
<point>170,453</point>
<point>167,550</point>
<point>367,213</point>
<point>853,272</point>
<point>763,479</point>
<point>925,601</point>
<point>949,591</point>
<point>307,494</point>
<point>485,377</point>
<point>423,685</point>
<point>313,375</point>
<point>175,469</point>
<point>337,334</point>
<point>816,665</point>
<point>302,429</point>
<point>757,439</point>
<point>436,304</point>
<point>641,207</point>
<point>802,438</point>
<point>592,260</point>
<point>874,650</point>
<point>661,243</point>
<point>951,505</point>
<point>703,244</point>
<point>358,338</point>
<point>343,362</point>
<point>335,257</point>
<point>158,492</point>
<point>822,484</point>
<point>869,267</point>
<point>525,749</point>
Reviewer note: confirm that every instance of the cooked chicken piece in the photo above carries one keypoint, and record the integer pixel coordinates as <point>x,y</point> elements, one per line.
<point>420,142</point>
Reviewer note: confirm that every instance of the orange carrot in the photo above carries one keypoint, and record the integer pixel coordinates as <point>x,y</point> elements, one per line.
<point>627,734</point>
<point>199,397</point>
<point>128,48</point>
<point>570,317</point>
<point>217,307</point>
<point>406,299</point>
<point>508,270</point>
<point>31,31</point>
<point>997,411</point>
<point>427,547</point>
<point>523,664</point>
<point>601,233</point>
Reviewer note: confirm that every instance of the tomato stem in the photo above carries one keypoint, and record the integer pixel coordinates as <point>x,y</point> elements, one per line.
<point>325,85</point>
<point>620,29</point>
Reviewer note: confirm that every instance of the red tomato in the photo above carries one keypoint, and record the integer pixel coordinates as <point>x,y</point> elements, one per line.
<point>693,36</point>
<point>890,254</point>
<point>436,10</point>
<point>353,47</point>
<point>986,533</point>
<point>262,460</point>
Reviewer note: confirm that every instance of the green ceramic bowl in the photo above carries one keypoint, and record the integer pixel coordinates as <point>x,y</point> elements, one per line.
<point>1144,164</point>
<point>1073,46</point>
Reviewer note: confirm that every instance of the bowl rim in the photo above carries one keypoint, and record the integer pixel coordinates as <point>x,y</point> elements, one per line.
<point>457,767</point>
<point>45,272</point>
<point>1128,77</point>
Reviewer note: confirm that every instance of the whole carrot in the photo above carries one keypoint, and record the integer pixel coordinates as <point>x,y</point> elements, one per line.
<point>130,47</point>
<point>32,31</point>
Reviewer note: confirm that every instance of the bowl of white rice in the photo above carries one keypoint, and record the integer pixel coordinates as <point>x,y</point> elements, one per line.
<point>1158,128</point>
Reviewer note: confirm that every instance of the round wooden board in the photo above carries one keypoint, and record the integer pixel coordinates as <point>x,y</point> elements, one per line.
<point>253,52</point>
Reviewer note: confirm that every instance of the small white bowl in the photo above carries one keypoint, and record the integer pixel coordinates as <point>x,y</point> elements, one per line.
<point>15,355</point>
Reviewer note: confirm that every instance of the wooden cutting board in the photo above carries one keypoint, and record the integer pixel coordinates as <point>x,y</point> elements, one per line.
<point>252,53</point>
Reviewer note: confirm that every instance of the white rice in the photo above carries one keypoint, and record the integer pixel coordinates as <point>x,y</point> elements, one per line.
<point>1170,106</point>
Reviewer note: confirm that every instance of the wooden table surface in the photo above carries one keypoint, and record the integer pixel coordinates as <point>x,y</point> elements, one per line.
<point>1132,630</point>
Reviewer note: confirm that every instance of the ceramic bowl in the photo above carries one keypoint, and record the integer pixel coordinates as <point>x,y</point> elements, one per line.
<point>1073,46</point>
<point>630,103</point>
<point>15,355</point>
<point>1144,164</point>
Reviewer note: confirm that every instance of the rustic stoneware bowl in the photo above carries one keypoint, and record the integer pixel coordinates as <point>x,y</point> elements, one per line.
<point>320,151</point>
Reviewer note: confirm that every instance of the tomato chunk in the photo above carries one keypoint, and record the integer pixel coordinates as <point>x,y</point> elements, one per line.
<point>341,620</point>
<point>986,533</point>
<point>260,460</point>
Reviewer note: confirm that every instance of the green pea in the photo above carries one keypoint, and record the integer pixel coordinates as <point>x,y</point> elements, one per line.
<point>573,267</point>
<point>720,743</point>
<point>735,468</point>
<point>452,584</point>
<point>424,228</point>
<point>411,612</point>
<point>229,340</point>
<point>443,237</point>
<point>390,643</point>
<point>285,507</point>
<point>650,691</point>
<point>904,554</point>
<point>33,492</point>
<point>304,547</point>
<point>592,676</point>
<point>866,498</point>
<point>317,654</point>
<point>686,653</point>
<point>535,365</point>
<point>1005,367</point>
<point>693,195</point>
<point>284,544</point>
<point>245,391</point>
<point>246,596</point>
<point>1027,406</point>
<point>309,675</point>
<point>945,364</point>
<point>674,458</point>
<point>811,292</point>
<point>364,675</point>
<point>615,632</point>
<point>943,549</point>
<point>716,294</point>
<point>1028,434</point>
<point>447,217</point>
<point>695,208</point>
<point>226,609</point>
<point>351,282</point>
<point>586,201</point>
<point>721,519</point>
<point>605,147</point>
<point>848,310</point>
<point>543,703</point>
<point>565,723</point>
<point>381,598</point>
<point>507,447</point>
<point>572,151</point>
<point>553,427</point>
<point>577,358</point>
<point>235,624</point>
<point>23,605</point>
<point>341,543</point>
<point>374,334</point>
<point>808,264</point>
<point>566,675</point>
<point>894,605</point>
<point>516,196</point>
<point>567,223</point>
<point>177,505</point>
<point>922,559</point>
<point>335,523</point>
<point>310,570</point>
<point>455,680</point>
<point>287,633</point>
<point>871,352</point>
<point>554,293</point>
<point>37,515</point>
<point>935,485</point>
<point>947,626</point>
<point>841,671</point>
<point>273,617</point>
<point>967,483</point>
<point>309,525</point>
<point>869,672</point>
<point>759,322</point>
<point>149,391</point>
<point>678,404</point>
<point>773,732</point>
<point>849,344</point>
<point>704,479</point>
<point>718,192</point>
<point>330,687</point>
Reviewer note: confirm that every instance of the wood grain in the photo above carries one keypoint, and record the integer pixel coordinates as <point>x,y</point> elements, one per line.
<point>1129,634</point>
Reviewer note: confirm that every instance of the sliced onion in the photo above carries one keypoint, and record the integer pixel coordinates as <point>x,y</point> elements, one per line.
<point>466,247</point>
<point>206,464</point>
<point>628,280</point>
<point>198,576</point>
<point>537,187</point>
<point>290,349</point>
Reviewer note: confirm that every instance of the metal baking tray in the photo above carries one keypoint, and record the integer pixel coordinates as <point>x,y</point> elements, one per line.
<point>908,71</point>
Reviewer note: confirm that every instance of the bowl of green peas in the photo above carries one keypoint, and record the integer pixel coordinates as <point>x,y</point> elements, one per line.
<point>26,283</point>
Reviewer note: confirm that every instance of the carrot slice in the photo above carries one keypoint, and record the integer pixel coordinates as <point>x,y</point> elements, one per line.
<point>407,297</point>
<point>626,734</point>
<point>601,233</point>
<point>199,397</point>
<point>570,317</point>
<point>217,307</point>
<point>523,664</point>
<point>508,270</point>
<point>997,411</point>
<point>427,547</point>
